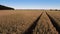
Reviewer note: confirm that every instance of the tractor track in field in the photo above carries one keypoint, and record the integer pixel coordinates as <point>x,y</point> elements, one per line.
<point>32,27</point>
<point>54,23</point>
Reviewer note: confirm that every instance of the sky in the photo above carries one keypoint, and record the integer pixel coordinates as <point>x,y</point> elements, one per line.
<point>31,4</point>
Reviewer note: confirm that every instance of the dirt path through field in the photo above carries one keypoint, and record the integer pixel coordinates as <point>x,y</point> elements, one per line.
<point>32,27</point>
<point>45,26</point>
<point>27,22</point>
<point>54,23</point>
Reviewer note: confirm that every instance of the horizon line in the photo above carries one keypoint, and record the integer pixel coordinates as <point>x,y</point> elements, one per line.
<point>37,8</point>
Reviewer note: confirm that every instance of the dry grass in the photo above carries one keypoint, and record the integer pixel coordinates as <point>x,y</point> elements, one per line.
<point>18,21</point>
<point>55,16</point>
<point>45,26</point>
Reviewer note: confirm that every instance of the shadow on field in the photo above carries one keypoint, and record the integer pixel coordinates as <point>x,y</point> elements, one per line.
<point>32,27</point>
<point>54,23</point>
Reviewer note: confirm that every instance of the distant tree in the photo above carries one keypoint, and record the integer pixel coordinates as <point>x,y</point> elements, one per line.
<point>56,10</point>
<point>51,10</point>
<point>59,10</point>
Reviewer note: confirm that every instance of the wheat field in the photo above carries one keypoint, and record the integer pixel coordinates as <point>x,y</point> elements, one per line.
<point>29,22</point>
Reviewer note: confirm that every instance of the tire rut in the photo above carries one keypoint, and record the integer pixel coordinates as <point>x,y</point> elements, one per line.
<point>32,27</point>
<point>54,23</point>
<point>44,26</point>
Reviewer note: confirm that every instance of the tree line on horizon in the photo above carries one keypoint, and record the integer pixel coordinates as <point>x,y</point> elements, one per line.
<point>2,7</point>
<point>5,8</point>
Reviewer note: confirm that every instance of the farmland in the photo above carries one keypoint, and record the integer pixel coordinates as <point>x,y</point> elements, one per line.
<point>29,22</point>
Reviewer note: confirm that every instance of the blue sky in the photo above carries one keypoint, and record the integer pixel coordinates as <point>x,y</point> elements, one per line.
<point>32,4</point>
